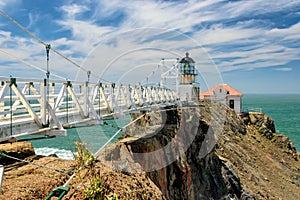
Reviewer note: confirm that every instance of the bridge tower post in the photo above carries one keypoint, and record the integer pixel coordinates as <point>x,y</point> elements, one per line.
<point>43,93</point>
<point>85,99</point>
<point>3,89</point>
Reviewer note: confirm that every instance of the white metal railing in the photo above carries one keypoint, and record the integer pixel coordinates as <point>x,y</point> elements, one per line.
<point>37,106</point>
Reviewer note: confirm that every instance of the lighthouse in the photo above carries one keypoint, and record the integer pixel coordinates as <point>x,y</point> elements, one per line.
<point>188,88</point>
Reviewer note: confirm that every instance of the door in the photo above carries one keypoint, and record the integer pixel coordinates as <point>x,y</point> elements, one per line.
<point>231,103</point>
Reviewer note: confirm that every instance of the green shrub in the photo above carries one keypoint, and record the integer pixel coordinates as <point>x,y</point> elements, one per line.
<point>113,197</point>
<point>84,158</point>
<point>96,190</point>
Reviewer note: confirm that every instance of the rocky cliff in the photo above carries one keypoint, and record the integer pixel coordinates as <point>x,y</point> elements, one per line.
<point>209,152</point>
<point>205,151</point>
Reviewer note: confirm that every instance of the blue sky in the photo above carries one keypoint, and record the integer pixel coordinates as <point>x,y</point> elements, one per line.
<point>253,45</point>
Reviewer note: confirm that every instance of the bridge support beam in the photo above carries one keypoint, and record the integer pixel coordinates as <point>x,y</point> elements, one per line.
<point>54,106</point>
<point>27,105</point>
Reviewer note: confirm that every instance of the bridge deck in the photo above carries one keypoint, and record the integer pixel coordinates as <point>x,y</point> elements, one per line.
<point>30,106</point>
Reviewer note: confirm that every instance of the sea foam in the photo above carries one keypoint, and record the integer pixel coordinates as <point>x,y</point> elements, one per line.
<point>61,153</point>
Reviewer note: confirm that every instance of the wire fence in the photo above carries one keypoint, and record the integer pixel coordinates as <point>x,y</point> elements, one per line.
<point>252,109</point>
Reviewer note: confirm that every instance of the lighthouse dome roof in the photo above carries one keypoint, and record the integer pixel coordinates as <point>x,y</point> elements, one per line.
<point>187,59</point>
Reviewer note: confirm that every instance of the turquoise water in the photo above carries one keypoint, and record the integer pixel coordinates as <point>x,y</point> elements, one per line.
<point>93,136</point>
<point>284,109</point>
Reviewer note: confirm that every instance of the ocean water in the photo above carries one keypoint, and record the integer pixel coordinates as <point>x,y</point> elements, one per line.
<point>284,109</point>
<point>93,136</point>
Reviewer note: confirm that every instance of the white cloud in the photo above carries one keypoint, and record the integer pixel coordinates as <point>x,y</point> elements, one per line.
<point>256,7</point>
<point>176,27</point>
<point>284,69</point>
<point>267,56</point>
<point>259,50</point>
<point>291,33</point>
<point>85,34</point>
<point>33,18</point>
<point>9,3</point>
<point>2,4</point>
<point>73,10</point>
<point>219,34</point>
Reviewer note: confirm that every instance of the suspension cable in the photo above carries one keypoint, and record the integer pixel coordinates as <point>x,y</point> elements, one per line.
<point>22,27</point>
<point>114,135</point>
<point>54,50</point>
<point>43,43</point>
<point>99,150</point>
<point>78,66</point>
<point>29,64</point>
<point>33,163</point>
<point>150,74</point>
<point>96,154</point>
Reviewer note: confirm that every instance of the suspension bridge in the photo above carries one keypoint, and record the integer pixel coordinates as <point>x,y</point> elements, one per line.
<point>29,106</point>
<point>49,106</point>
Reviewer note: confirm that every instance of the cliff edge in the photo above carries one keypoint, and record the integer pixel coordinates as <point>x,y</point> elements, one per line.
<point>209,152</point>
<point>205,151</point>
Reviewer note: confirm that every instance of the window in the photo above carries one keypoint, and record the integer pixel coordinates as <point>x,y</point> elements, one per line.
<point>186,68</point>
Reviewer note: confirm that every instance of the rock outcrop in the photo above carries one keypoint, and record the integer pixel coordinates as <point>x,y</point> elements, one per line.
<point>201,152</point>
<point>179,156</point>
<point>208,152</point>
<point>264,124</point>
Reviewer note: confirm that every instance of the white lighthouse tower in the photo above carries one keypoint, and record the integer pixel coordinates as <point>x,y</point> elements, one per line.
<point>188,88</point>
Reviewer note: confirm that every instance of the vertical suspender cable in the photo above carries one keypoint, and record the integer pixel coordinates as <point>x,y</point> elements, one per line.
<point>67,94</point>
<point>10,105</point>
<point>87,94</point>
<point>100,85</point>
<point>119,102</point>
<point>29,85</point>
<point>28,64</point>
<point>113,85</point>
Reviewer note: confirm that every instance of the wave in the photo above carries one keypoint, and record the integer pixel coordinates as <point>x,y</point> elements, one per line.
<point>61,153</point>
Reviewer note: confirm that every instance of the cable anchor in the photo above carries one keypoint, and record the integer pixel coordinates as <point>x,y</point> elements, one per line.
<point>59,192</point>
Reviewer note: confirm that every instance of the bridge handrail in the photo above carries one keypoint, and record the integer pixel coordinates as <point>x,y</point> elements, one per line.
<point>52,104</point>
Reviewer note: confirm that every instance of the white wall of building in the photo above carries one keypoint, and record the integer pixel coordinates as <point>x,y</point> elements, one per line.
<point>237,103</point>
<point>185,92</point>
<point>221,95</point>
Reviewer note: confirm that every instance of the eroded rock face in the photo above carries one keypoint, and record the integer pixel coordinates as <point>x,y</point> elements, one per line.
<point>210,152</point>
<point>179,155</point>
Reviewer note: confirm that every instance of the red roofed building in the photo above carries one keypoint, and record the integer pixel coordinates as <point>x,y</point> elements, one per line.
<point>223,93</point>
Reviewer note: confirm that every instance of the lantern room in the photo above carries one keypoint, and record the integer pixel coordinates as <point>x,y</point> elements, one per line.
<point>187,70</point>
<point>188,87</point>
